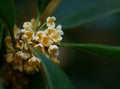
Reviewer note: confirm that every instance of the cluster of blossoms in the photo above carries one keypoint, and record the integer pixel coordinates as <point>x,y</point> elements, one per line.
<point>43,37</point>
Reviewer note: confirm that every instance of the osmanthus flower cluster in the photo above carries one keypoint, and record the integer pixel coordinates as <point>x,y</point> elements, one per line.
<point>43,37</point>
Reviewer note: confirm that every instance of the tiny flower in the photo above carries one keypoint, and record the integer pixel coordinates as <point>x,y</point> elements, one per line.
<point>24,37</point>
<point>40,47</point>
<point>9,44</point>
<point>16,32</point>
<point>22,30</point>
<point>26,56</point>
<point>50,21</point>
<point>27,36</point>
<point>8,41</point>
<point>56,37</point>
<point>9,57</point>
<point>27,25</point>
<point>32,22</point>
<point>59,29</point>
<point>28,68</point>
<point>22,55</point>
<point>50,31</point>
<point>39,36</point>
<point>53,50</point>
<point>47,41</point>
<point>20,44</point>
<point>34,62</point>
<point>18,58</point>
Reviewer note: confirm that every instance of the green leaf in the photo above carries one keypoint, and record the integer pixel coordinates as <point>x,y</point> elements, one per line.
<point>72,13</point>
<point>2,28</point>
<point>42,4</point>
<point>109,51</point>
<point>7,13</point>
<point>56,78</point>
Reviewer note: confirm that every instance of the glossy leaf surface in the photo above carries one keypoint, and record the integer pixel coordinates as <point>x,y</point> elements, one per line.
<point>109,51</point>
<point>56,78</point>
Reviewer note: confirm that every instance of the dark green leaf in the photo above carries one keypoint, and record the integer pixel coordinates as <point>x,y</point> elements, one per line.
<point>72,13</point>
<point>55,76</point>
<point>7,13</point>
<point>42,4</point>
<point>1,32</point>
<point>110,51</point>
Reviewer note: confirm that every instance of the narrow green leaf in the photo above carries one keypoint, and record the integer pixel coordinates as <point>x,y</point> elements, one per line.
<point>7,14</point>
<point>42,4</point>
<point>109,51</point>
<point>56,78</point>
<point>72,13</point>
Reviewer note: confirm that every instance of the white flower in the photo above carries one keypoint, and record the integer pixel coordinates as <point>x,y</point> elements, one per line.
<point>28,35</point>
<point>28,68</point>
<point>9,44</point>
<point>40,47</point>
<point>27,25</point>
<point>34,62</point>
<point>47,41</point>
<point>23,55</point>
<point>53,50</point>
<point>20,44</point>
<point>50,21</point>
<point>59,29</point>
<point>16,32</point>
<point>9,57</point>
<point>56,37</point>
<point>39,36</point>
<point>50,31</point>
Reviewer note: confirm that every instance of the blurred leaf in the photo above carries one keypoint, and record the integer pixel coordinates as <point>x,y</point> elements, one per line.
<point>55,76</point>
<point>36,81</point>
<point>7,13</point>
<point>2,42</point>
<point>42,4</point>
<point>72,13</point>
<point>110,51</point>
